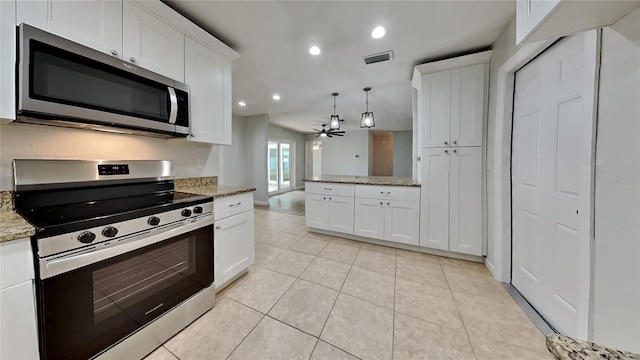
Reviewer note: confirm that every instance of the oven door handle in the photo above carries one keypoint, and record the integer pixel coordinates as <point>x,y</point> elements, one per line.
<point>57,265</point>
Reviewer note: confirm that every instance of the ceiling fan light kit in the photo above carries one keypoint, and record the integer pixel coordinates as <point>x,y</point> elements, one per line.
<point>366,120</point>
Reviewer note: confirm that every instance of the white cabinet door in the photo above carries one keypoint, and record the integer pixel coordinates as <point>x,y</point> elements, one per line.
<point>340,214</point>
<point>234,246</point>
<point>467,105</point>
<point>152,43</point>
<point>434,212</point>
<point>369,218</point>
<point>209,76</point>
<point>93,23</point>
<point>437,109</point>
<point>465,212</point>
<point>402,222</point>
<point>315,211</point>
<point>19,338</point>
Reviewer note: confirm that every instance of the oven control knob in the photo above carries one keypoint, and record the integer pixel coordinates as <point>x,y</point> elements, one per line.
<point>186,212</point>
<point>86,237</point>
<point>153,221</point>
<point>198,210</point>
<point>109,231</point>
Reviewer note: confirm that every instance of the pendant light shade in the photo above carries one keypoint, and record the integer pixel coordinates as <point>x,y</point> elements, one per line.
<point>334,123</point>
<point>366,121</point>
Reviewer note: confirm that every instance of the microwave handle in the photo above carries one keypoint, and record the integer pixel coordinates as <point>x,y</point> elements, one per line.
<point>173,113</point>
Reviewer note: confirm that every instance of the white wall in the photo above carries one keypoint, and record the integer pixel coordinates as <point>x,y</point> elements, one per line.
<point>402,153</point>
<point>25,141</point>
<point>255,143</point>
<point>339,154</point>
<point>617,198</point>
<point>503,48</point>
<point>279,133</point>
<point>234,157</point>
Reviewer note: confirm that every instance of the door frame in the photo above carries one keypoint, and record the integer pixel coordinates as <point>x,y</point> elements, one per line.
<point>502,221</point>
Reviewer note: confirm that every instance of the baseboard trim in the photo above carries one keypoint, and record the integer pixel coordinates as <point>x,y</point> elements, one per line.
<point>262,203</point>
<point>415,248</point>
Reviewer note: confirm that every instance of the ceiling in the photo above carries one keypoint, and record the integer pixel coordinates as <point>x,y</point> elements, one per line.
<point>274,37</point>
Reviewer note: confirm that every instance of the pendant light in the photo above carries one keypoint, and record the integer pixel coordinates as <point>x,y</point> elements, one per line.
<point>334,123</point>
<point>366,121</point>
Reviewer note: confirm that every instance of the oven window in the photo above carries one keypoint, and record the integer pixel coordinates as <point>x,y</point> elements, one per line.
<point>126,283</point>
<point>85,311</point>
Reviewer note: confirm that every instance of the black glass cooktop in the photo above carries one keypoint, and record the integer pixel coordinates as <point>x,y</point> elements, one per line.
<point>68,210</point>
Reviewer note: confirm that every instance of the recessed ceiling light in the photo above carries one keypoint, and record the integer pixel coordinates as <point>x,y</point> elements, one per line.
<point>242,103</point>
<point>314,50</point>
<point>378,32</point>
<point>276,97</point>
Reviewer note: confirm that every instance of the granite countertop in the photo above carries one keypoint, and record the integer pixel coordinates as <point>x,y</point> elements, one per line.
<point>217,191</point>
<point>12,225</point>
<point>566,348</point>
<point>364,180</point>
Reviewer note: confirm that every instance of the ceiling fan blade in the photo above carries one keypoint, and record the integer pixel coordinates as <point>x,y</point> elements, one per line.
<point>337,134</point>
<point>318,135</point>
<point>316,129</point>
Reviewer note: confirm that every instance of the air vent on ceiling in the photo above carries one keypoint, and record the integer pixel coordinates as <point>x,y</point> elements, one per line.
<point>376,58</point>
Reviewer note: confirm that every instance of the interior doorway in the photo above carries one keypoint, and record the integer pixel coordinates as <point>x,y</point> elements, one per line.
<point>280,165</point>
<point>382,164</point>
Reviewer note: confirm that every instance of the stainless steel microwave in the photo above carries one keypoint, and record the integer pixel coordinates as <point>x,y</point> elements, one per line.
<point>63,83</point>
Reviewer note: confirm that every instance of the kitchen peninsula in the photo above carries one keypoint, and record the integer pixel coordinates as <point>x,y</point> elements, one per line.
<point>365,208</point>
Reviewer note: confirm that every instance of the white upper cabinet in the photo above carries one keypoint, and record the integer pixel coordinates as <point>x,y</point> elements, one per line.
<point>467,105</point>
<point>152,43</point>
<point>451,101</point>
<point>93,23</point>
<point>436,119</point>
<point>7,62</point>
<point>549,19</point>
<point>209,75</point>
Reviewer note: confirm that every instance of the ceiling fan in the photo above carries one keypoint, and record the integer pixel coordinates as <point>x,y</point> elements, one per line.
<point>328,132</point>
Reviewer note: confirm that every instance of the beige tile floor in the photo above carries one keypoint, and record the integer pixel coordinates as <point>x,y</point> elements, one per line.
<point>311,296</point>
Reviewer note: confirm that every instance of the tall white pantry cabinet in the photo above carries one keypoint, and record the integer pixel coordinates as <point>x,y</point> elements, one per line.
<point>451,107</point>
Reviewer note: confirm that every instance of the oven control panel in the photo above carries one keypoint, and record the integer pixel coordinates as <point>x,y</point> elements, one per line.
<point>122,230</point>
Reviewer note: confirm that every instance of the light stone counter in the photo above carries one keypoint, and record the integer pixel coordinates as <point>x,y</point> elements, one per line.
<point>217,191</point>
<point>566,348</point>
<point>12,225</point>
<point>364,180</point>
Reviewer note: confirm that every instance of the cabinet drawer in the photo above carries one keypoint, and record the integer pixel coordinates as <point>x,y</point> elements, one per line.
<point>329,189</point>
<point>388,192</point>
<point>16,262</point>
<point>228,206</point>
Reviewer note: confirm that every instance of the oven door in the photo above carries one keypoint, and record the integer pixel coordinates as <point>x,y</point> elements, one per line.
<point>88,309</point>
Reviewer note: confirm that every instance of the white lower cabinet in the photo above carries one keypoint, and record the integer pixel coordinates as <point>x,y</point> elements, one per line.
<point>388,219</point>
<point>451,204</point>
<point>233,234</point>
<point>329,212</point>
<point>19,338</point>
<point>18,325</point>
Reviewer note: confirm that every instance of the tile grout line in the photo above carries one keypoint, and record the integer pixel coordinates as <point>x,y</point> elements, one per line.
<point>393,325</point>
<point>473,350</point>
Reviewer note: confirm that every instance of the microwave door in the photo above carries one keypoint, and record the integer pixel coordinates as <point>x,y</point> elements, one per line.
<point>60,81</point>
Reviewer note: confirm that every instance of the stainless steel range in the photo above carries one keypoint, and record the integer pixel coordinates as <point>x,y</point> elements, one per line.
<point>122,260</point>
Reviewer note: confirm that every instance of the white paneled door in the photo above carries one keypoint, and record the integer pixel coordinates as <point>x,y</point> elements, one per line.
<point>551,147</point>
